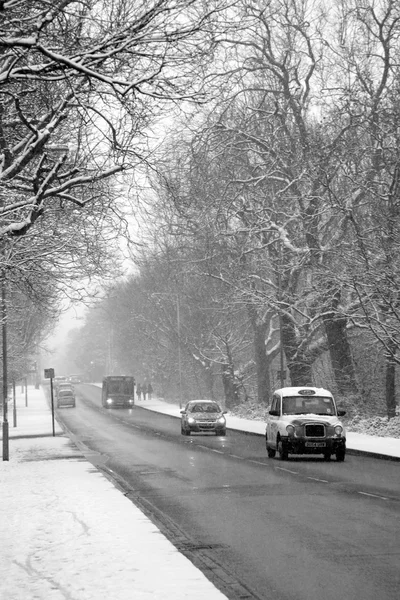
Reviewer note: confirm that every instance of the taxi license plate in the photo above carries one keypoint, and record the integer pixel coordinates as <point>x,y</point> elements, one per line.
<point>315,444</point>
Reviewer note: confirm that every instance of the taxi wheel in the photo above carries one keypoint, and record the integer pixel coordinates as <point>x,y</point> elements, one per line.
<point>271,452</point>
<point>340,454</point>
<point>327,456</point>
<point>282,450</point>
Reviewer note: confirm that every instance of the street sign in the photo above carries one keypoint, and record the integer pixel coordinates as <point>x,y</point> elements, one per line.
<point>49,373</point>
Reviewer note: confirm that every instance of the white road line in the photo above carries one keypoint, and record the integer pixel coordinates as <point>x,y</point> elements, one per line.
<point>316,479</point>
<point>373,495</point>
<point>235,456</point>
<point>257,462</point>
<point>287,470</point>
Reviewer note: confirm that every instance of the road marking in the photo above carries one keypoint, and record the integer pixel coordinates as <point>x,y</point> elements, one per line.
<point>236,456</point>
<point>257,462</point>
<point>287,470</point>
<point>317,479</point>
<point>373,495</point>
<point>217,451</point>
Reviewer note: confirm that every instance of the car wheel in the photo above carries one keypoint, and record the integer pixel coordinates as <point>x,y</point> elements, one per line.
<point>271,451</point>
<point>327,456</point>
<point>221,432</point>
<point>340,454</point>
<point>282,450</point>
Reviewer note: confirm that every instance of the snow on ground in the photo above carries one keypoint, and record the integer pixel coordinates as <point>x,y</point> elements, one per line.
<point>68,533</point>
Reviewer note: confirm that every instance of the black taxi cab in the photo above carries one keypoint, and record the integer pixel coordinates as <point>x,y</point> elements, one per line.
<point>305,420</point>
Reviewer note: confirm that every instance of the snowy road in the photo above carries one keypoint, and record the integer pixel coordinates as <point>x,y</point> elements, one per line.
<point>299,529</point>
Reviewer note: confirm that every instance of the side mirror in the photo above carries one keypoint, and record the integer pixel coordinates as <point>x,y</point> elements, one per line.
<point>183,412</point>
<point>341,413</point>
<point>224,412</point>
<point>274,413</point>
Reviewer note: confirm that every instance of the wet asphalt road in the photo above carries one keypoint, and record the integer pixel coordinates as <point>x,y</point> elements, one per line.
<point>259,528</point>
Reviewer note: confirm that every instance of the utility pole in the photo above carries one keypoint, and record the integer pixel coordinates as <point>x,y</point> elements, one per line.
<point>5,382</point>
<point>178,319</point>
<point>282,374</point>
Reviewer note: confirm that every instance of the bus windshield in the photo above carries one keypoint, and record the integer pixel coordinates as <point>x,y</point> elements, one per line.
<point>123,386</point>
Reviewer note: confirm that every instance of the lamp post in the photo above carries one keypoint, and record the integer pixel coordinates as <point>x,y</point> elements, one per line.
<point>282,374</point>
<point>5,383</point>
<point>178,319</point>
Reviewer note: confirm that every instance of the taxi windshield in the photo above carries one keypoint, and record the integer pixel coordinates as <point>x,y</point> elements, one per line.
<point>304,405</point>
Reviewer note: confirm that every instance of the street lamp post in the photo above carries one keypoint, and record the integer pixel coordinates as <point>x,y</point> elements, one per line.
<point>178,319</point>
<point>5,382</point>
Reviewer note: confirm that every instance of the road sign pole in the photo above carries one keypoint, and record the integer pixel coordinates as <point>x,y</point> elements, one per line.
<point>52,405</point>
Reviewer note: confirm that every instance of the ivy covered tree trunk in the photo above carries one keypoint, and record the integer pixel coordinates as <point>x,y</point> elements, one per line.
<point>231,387</point>
<point>391,384</point>
<point>262,366</point>
<point>261,359</point>
<point>298,363</point>
<point>340,353</point>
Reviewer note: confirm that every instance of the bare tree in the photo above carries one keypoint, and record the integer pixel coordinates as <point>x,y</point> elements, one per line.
<point>80,83</point>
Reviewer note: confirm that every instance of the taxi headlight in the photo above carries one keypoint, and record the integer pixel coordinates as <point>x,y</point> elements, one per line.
<point>338,430</point>
<point>290,430</point>
<point>191,420</point>
<point>109,401</point>
<point>221,420</point>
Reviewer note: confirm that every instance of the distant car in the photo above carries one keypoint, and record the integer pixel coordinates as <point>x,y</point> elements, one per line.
<point>66,398</point>
<point>74,379</point>
<point>201,416</point>
<point>64,385</point>
<point>305,420</point>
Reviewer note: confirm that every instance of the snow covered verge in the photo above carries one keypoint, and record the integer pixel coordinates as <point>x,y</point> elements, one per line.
<point>376,426</point>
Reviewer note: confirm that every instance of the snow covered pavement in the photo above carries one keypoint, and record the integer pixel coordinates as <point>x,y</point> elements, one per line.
<point>68,533</point>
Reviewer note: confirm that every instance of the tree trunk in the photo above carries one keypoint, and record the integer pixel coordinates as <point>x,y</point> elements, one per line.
<point>262,361</point>
<point>298,363</point>
<point>391,385</point>
<point>340,353</point>
<point>231,388</point>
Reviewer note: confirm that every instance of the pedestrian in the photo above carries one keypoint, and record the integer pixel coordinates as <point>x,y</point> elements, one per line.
<point>149,391</point>
<point>144,391</point>
<point>139,391</point>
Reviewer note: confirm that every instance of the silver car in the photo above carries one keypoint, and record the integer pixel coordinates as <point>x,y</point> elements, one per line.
<point>201,416</point>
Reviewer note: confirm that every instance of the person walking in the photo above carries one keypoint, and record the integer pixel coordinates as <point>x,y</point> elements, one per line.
<point>139,391</point>
<point>144,391</point>
<point>149,391</point>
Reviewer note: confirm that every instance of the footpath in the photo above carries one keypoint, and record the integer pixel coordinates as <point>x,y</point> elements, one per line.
<point>68,533</point>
